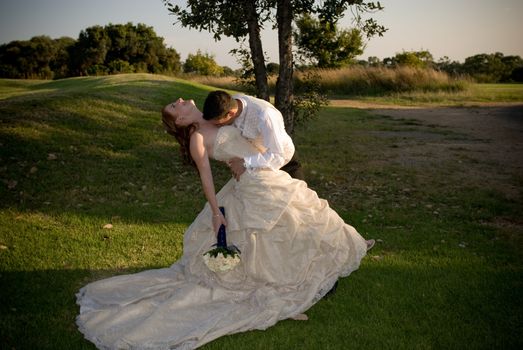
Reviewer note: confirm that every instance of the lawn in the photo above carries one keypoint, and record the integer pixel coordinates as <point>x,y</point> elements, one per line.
<point>473,95</point>
<point>81,153</point>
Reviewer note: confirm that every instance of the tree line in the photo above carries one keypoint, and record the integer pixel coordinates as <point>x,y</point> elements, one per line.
<point>111,49</point>
<point>128,48</point>
<point>482,68</point>
<point>321,44</point>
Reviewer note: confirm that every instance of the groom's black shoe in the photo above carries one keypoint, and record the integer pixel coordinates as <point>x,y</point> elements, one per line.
<point>332,291</point>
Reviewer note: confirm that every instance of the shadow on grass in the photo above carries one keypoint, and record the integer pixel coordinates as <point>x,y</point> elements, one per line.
<point>38,308</point>
<point>443,307</point>
<point>94,147</point>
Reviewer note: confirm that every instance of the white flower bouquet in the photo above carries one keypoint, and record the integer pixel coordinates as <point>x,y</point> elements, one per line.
<point>222,258</point>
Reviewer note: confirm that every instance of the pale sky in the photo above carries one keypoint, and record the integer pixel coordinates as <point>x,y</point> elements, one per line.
<point>453,28</point>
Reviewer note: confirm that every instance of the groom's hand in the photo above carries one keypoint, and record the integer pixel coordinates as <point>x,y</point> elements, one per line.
<point>237,168</point>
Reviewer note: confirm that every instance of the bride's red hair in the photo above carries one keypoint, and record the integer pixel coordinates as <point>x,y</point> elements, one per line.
<point>182,134</point>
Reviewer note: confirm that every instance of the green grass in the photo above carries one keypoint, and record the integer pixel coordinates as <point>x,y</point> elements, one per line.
<point>80,153</point>
<point>472,95</point>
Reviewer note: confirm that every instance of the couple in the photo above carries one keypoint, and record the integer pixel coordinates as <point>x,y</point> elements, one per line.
<point>293,246</point>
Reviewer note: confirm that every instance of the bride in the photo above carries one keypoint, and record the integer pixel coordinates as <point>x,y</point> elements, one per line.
<point>293,247</point>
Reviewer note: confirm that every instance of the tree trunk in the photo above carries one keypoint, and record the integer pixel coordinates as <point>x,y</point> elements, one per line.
<point>255,44</point>
<point>284,85</point>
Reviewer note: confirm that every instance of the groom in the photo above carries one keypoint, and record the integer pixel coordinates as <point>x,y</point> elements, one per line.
<point>257,120</point>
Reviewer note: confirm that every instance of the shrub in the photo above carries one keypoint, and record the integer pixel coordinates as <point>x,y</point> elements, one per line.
<point>97,69</point>
<point>120,66</point>
<point>203,64</point>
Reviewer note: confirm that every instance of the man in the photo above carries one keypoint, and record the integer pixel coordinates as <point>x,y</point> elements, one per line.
<point>258,121</point>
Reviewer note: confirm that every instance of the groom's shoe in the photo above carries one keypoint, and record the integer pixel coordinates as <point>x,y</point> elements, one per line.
<point>332,291</point>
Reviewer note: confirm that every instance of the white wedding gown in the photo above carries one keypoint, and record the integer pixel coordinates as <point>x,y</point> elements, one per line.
<point>293,249</point>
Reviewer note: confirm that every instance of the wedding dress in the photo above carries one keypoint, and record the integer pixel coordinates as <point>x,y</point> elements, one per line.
<point>293,247</point>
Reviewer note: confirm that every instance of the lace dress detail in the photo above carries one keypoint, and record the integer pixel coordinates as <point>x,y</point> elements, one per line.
<point>294,248</point>
<point>229,144</point>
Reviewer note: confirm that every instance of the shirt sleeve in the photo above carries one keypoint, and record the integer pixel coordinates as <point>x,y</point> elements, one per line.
<point>278,144</point>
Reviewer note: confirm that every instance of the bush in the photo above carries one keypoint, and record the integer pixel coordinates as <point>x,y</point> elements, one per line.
<point>517,75</point>
<point>97,69</point>
<point>120,66</point>
<point>203,64</point>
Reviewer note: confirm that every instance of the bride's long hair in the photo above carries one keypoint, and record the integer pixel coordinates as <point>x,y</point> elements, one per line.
<point>182,134</point>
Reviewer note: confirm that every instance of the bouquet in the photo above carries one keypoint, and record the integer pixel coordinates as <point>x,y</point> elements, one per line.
<point>222,258</point>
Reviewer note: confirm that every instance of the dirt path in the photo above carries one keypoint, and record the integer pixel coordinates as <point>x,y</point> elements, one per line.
<point>500,128</point>
<point>497,127</point>
<point>474,147</point>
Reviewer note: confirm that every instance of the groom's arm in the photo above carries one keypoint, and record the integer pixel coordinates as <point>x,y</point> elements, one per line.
<point>278,144</point>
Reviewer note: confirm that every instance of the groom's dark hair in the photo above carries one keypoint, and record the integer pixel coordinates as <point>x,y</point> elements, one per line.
<point>217,104</point>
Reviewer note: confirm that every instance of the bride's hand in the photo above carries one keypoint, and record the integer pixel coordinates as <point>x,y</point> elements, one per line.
<point>237,168</point>
<point>217,221</point>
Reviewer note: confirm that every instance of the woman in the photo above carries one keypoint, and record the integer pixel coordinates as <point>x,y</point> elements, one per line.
<point>293,250</point>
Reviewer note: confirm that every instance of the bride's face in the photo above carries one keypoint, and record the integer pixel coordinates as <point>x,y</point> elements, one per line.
<point>183,110</point>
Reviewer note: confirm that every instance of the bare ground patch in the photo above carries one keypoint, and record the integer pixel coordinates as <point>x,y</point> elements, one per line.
<point>480,147</point>
<point>492,134</point>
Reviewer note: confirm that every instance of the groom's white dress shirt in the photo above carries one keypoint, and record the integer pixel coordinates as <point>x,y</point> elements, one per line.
<point>261,123</point>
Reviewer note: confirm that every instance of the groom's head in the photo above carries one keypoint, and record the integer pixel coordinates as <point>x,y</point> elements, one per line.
<point>219,107</point>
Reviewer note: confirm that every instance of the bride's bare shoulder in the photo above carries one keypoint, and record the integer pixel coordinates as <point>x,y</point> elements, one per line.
<point>208,133</point>
<point>207,136</point>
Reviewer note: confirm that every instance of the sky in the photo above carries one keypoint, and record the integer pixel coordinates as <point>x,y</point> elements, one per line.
<point>454,28</point>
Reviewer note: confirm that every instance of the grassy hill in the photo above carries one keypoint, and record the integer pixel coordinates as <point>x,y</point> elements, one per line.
<point>78,154</point>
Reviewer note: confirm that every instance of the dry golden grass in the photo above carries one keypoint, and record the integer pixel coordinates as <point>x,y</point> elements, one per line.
<point>356,81</point>
<point>380,80</point>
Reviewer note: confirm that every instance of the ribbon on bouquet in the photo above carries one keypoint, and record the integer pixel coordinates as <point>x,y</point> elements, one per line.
<point>222,237</point>
<point>222,234</point>
<point>222,258</point>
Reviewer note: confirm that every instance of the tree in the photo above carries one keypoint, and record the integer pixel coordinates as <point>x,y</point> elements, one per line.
<point>203,64</point>
<point>102,50</point>
<point>28,58</point>
<point>232,18</point>
<point>90,50</point>
<point>517,75</point>
<point>115,48</point>
<point>326,46</point>
<point>147,50</point>
<point>170,60</point>
<point>240,19</point>
<point>452,68</point>
<point>485,68</point>
<point>61,63</point>
<point>374,61</point>
<point>415,59</point>
<point>511,64</point>
<point>40,57</point>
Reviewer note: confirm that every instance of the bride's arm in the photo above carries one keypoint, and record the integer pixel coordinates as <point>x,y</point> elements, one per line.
<point>201,158</point>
